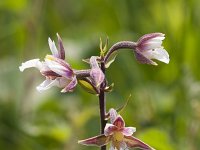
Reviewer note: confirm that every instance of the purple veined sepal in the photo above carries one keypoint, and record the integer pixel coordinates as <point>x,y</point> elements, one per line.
<point>61,47</point>
<point>150,47</point>
<point>133,142</point>
<point>96,73</point>
<point>99,141</point>
<point>55,52</point>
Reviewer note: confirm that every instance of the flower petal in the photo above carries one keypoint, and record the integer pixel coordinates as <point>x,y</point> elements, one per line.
<point>123,146</point>
<point>113,115</point>
<point>143,59</point>
<point>109,129</point>
<point>53,48</point>
<point>59,66</point>
<point>159,54</point>
<point>47,84</point>
<point>61,48</point>
<point>31,63</point>
<point>119,122</point>
<point>133,142</point>
<point>100,140</point>
<point>150,45</point>
<point>147,37</point>
<point>72,84</point>
<point>128,131</point>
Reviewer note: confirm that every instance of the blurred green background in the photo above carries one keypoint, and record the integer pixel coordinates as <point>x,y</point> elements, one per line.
<point>165,103</point>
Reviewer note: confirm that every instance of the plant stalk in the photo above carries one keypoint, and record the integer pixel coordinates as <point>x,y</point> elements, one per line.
<point>102,104</point>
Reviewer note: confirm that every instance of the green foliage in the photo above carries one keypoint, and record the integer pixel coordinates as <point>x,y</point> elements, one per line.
<point>166,99</point>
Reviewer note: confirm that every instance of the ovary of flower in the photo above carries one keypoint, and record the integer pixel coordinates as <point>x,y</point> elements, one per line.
<point>150,47</point>
<point>96,73</point>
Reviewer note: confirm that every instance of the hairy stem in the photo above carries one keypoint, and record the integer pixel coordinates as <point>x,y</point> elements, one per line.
<point>82,73</point>
<point>102,104</point>
<point>120,45</point>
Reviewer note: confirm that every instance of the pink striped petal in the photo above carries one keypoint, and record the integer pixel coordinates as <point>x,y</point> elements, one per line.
<point>70,87</point>
<point>100,140</point>
<point>109,129</point>
<point>119,122</point>
<point>59,66</point>
<point>133,142</point>
<point>128,131</point>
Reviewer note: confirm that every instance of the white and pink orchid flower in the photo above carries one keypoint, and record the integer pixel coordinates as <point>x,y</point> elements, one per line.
<point>54,68</point>
<point>117,134</point>
<point>150,47</point>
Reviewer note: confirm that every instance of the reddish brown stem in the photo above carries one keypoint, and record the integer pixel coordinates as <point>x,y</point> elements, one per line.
<point>102,105</point>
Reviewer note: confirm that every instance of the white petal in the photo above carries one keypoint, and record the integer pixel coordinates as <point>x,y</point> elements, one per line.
<point>128,131</point>
<point>53,48</point>
<point>151,45</point>
<point>63,82</point>
<point>47,84</point>
<point>56,67</point>
<point>109,129</point>
<point>159,54</point>
<point>112,148</point>
<point>31,63</point>
<point>159,38</point>
<point>123,146</point>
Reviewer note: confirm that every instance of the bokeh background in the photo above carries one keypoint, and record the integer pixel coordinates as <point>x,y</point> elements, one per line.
<point>165,103</point>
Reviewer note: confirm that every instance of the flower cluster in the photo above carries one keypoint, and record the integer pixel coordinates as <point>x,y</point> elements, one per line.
<point>58,72</point>
<point>117,134</point>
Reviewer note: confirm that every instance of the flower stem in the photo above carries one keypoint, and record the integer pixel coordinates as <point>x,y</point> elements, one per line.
<point>102,105</point>
<point>120,45</point>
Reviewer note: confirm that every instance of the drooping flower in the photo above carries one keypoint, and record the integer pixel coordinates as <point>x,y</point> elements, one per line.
<point>117,134</point>
<point>150,47</point>
<point>54,68</point>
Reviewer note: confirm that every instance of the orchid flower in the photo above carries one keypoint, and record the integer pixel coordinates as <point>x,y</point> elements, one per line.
<point>117,134</point>
<point>150,47</point>
<point>54,68</point>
